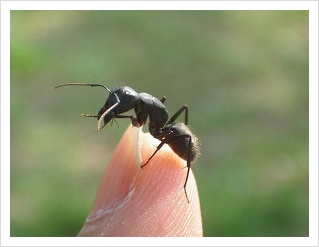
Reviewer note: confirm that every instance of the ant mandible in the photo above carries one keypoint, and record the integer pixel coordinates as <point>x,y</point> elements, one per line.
<point>177,135</point>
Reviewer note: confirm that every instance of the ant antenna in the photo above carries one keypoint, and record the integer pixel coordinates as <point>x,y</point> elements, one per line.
<point>84,84</point>
<point>95,85</point>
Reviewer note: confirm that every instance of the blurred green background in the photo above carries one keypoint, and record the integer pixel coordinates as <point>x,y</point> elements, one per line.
<point>244,75</point>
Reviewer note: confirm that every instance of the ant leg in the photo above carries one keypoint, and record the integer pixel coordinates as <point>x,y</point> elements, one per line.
<point>188,164</point>
<point>108,110</point>
<point>100,128</point>
<point>103,115</point>
<point>164,135</point>
<point>163,99</point>
<point>122,116</point>
<point>113,120</point>
<point>89,115</point>
<point>135,123</point>
<point>157,149</point>
<point>173,139</point>
<point>173,118</point>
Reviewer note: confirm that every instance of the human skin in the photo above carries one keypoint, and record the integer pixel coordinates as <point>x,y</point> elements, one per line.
<point>149,201</point>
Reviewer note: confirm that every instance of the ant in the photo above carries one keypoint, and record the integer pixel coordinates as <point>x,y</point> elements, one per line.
<point>177,135</point>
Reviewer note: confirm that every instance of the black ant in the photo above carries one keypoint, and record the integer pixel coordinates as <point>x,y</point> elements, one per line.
<point>177,135</point>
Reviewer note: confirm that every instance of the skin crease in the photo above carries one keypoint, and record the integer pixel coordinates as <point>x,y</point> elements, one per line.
<point>136,202</point>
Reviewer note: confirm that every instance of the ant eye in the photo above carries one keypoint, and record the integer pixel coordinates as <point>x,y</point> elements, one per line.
<point>127,92</point>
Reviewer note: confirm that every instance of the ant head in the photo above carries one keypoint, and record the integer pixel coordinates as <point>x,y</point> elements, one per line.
<point>122,100</point>
<point>119,101</point>
<point>126,98</point>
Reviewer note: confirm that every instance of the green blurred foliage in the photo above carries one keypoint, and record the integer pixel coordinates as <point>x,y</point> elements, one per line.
<point>244,75</point>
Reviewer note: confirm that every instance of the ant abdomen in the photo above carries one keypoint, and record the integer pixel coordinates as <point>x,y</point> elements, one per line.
<point>183,142</point>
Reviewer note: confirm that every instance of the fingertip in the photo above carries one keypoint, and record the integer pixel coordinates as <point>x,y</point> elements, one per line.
<point>121,173</point>
<point>161,189</point>
<point>132,201</point>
